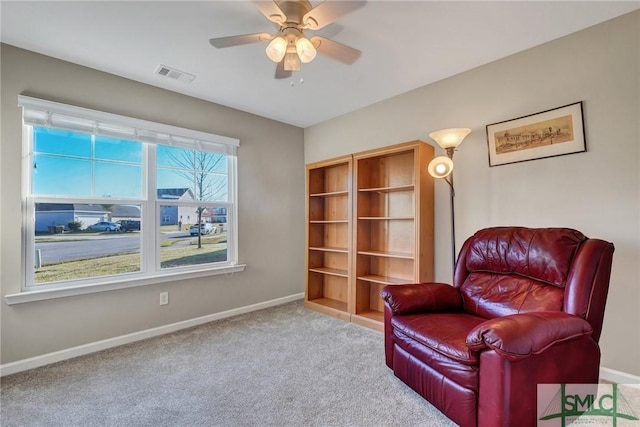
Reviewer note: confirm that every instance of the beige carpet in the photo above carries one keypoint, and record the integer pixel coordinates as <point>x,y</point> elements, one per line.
<point>284,366</point>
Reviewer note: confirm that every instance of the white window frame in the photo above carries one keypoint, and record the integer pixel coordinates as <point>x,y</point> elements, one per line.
<point>43,113</point>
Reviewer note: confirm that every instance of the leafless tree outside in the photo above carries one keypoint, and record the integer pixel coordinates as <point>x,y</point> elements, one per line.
<point>199,168</point>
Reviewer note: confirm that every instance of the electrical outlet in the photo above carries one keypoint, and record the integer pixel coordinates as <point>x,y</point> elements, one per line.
<point>164,298</point>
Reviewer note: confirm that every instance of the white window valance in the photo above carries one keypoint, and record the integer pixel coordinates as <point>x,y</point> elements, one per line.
<point>44,113</point>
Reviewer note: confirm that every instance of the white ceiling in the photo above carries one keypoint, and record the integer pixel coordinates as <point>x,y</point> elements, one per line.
<point>405,45</point>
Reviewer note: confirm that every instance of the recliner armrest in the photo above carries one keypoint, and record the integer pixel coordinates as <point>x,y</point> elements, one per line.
<point>421,297</point>
<point>518,336</point>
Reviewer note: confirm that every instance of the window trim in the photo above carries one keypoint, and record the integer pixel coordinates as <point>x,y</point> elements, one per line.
<point>150,133</point>
<point>45,113</point>
<point>162,277</point>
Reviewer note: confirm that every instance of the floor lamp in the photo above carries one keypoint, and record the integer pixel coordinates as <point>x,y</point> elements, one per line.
<point>442,167</point>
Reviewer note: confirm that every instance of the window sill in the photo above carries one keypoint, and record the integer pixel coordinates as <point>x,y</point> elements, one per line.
<point>46,294</point>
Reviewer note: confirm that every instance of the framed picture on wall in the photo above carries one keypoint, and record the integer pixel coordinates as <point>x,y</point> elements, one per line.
<point>546,134</point>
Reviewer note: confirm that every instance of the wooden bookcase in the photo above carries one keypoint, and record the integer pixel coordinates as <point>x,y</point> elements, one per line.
<point>369,224</point>
<point>328,262</point>
<point>393,229</point>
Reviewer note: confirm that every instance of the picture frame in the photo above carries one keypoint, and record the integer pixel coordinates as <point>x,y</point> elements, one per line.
<point>550,133</point>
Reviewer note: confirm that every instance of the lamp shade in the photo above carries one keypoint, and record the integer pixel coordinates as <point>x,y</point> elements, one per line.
<point>449,138</point>
<point>305,50</point>
<point>276,49</point>
<point>440,167</point>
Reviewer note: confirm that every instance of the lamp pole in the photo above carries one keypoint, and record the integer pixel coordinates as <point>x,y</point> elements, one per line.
<point>442,167</point>
<point>453,230</point>
<point>452,195</point>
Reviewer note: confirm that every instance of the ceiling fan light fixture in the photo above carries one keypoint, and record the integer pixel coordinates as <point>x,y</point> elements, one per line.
<point>305,49</point>
<point>289,47</point>
<point>291,62</point>
<point>276,49</point>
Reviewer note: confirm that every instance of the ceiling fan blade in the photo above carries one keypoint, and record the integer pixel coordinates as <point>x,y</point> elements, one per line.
<point>335,50</point>
<point>281,73</point>
<point>230,41</point>
<point>271,11</point>
<point>327,12</point>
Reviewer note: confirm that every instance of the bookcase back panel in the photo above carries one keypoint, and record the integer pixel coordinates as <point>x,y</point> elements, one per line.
<point>325,208</point>
<point>338,261</point>
<point>337,208</point>
<point>375,300</point>
<point>386,171</point>
<point>368,297</point>
<point>327,286</point>
<point>395,268</point>
<point>329,235</point>
<point>387,236</point>
<point>386,204</point>
<point>329,179</point>
<point>334,287</point>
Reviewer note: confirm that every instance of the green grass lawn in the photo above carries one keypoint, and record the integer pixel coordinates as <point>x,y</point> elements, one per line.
<point>214,249</point>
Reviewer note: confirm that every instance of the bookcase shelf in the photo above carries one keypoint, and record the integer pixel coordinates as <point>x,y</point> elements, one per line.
<point>409,187</point>
<point>387,254</point>
<point>369,224</point>
<point>328,260</point>
<point>386,218</point>
<point>330,194</point>
<point>331,271</point>
<point>384,280</point>
<point>393,230</point>
<point>329,249</point>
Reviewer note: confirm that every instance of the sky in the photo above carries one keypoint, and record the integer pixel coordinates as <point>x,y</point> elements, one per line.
<point>84,165</point>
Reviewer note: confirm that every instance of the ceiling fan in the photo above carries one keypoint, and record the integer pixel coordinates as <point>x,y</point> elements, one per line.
<point>289,46</point>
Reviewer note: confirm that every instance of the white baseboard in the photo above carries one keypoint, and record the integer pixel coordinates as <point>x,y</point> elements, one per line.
<point>58,356</point>
<point>619,377</point>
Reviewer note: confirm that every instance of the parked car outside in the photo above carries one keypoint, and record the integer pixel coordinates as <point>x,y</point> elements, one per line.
<point>104,226</point>
<point>205,228</point>
<point>129,224</point>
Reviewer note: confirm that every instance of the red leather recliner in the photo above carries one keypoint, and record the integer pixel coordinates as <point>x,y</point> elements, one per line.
<point>526,308</point>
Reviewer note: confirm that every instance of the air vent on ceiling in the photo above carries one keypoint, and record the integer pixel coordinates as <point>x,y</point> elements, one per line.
<point>172,73</point>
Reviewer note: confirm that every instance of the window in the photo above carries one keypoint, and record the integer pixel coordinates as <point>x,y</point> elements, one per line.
<point>111,199</point>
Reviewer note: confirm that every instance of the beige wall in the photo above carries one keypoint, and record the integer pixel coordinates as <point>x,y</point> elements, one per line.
<point>597,192</point>
<point>271,211</point>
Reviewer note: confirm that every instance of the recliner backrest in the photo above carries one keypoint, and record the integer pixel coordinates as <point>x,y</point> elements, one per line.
<point>508,270</point>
